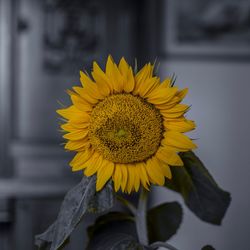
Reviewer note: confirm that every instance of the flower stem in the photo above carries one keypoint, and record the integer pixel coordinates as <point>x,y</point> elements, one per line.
<point>141,218</point>
<point>128,204</point>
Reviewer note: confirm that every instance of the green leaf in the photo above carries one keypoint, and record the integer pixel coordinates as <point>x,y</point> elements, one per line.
<point>163,221</point>
<point>114,230</point>
<point>201,193</point>
<point>77,202</point>
<point>113,221</point>
<point>208,247</point>
<point>102,200</point>
<point>114,241</point>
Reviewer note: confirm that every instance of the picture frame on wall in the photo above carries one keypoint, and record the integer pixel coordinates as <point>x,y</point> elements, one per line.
<point>207,28</point>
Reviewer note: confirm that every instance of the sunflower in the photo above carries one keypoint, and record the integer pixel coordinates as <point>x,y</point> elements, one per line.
<point>126,126</point>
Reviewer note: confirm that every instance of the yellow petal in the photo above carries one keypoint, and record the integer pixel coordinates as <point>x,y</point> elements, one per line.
<point>178,141</point>
<point>129,83</point>
<point>109,71</point>
<point>104,174</point>
<point>141,77</point>
<point>114,75</point>
<point>182,93</point>
<point>154,171</point>
<point>93,166</point>
<point>83,159</point>
<point>124,171</point>
<point>80,159</point>
<point>161,96</point>
<point>131,178</point>
<point>80,119</point>
<point>179,126</point>
<point>90,87</point>
<point>72,128</point>
<point>85,95</point>
<point>102,80</point>
<point>76,158</point>
<point>169,156</point>
<point>80,104</point>
<point>166,83</point>
<point>109,65</point>
<point>77,125</point>
<point>117,177</point>
<point>148,86</point>
<point>78,145</point>
<point>168,105</point>
<point>128,76</point>
<point>88,159</point>
<point>136,178</point>
<point>76,135</point>
<point>176,111</point>
<point>145,72</point>
<point>85,80</point>
<point>166,171</point>
<point>123,67</point>
<point>143,175</point>
<point>179,108</point>
<point>70,113</point>
<point>170,116</point>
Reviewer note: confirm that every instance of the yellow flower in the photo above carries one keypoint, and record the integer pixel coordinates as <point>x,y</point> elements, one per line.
<point>126,126</point>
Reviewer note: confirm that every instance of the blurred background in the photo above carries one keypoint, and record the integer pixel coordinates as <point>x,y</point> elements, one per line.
<point>44,44</point>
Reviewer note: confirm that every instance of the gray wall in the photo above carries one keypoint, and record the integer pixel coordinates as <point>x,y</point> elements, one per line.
<point>219,94</point>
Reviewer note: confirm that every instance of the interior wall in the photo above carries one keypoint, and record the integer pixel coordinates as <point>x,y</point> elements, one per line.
<point>219,95</point>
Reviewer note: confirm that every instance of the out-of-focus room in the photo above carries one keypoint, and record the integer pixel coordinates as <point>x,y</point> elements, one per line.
<point>43,46</point>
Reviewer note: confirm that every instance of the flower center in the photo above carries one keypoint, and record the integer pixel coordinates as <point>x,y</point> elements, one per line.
<point>125,128</point>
